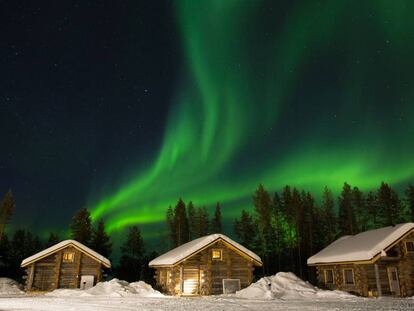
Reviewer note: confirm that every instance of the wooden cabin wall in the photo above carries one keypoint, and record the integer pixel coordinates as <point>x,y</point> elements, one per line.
<point>364,274</point>
<point>52,272</point>
<point>205,274</point>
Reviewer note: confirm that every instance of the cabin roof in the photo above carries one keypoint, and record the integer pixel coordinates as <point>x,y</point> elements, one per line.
<point>363,246</point>
<point>188,249</point>
<point>61,245</point>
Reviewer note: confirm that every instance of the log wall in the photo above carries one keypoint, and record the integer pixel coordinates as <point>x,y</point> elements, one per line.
<point>208,280</point>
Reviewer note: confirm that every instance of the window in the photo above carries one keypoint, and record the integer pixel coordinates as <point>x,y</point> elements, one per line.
<point>329,279</point>
<point>409,245</point>
<point>348,276</point>
<point>217,254</point>
<point>68,256</point>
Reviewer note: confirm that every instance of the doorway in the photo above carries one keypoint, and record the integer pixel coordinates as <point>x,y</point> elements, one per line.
<point>393,279</point>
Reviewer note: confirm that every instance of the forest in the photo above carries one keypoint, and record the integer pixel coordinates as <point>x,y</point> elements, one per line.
<point>283,227</point>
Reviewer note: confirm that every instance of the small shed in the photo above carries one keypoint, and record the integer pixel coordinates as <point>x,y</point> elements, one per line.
<point>213,264</point>
<point>68,264</point>
<point>372,263</point>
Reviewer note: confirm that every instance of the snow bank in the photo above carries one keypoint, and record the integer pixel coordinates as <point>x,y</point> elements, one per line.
<point>10,287</point>
<point>112,288</point>
<point>286,285</point>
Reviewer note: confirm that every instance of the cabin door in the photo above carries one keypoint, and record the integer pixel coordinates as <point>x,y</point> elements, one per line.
<point>86,281</point>
<point>393,279</point>
<point>191,281</point>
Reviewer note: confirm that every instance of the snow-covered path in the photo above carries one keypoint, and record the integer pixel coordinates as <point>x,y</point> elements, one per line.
<point>45,303</point>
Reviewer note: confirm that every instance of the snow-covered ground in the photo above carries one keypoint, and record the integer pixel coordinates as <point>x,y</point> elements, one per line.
<point>283,291</point>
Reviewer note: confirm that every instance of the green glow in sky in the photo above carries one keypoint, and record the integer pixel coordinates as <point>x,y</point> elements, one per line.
<point>316,97</point>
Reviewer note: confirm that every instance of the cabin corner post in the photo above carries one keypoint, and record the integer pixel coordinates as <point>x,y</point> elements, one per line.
<point>377,280</point>
<point>78,270</point>
<point>57,269</point>
<point>31,276</point>
<point>181,279</point>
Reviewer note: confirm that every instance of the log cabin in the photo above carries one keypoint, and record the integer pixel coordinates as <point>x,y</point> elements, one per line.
<point>213,264</point>
<point>68,264</point>
<point>372,263</point>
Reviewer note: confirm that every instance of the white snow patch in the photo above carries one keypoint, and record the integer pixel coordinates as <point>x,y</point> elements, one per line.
<point>112,288</point>
<point>286,286</point>
<point>10,287</point>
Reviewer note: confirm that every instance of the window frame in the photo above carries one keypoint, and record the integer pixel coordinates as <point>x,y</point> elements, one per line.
<point>406,247</point>
<point>325,275</point>
<point>65,259</point>
<point>344,276</point>
<point>217,250</point>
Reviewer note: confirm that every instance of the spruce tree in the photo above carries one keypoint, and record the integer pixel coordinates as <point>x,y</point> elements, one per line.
<point>360,210</point>
<point>372,211</point>
<point>132,256</point>
<point>409,199</point>
<point>203,222</point>
<point>81,227</point>
<point>181,223</point>
<point>172,230</point>
<point>278,225</point>
<point>192,221</point>
<point>329,220</point>
<point>7,206</point>
<point>101,242</point>
<point>246,230</point>
<point>216,223</point>
<point>346,221</point>
<point>389,207</point>
<point>52,239</point>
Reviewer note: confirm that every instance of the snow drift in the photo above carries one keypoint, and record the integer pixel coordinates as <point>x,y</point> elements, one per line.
<point>286,285</point>
<point>112,288</point>
<point>10,287</point>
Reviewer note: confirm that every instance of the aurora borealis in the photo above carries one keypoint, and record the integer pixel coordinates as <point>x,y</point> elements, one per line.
<point>328,71</point>
<point>124,108</point>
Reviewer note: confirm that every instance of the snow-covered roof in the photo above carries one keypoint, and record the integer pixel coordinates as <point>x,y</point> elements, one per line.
<point>62,245</point>
<point>362,246</point>
<point>183,251</point>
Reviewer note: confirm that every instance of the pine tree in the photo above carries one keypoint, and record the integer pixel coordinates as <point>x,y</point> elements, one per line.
<point>372,211</point>
<point>52,239</point>
<point>192,221</point>
<point>409,194</point>
<point>101,242</point>
<point>7,206</point>
<point>297,206</point>
<point>263,216</point>
<point>216,223</point>
<point>203,222</point>
<point>360,210</point>
<point>5,253</point>
<point>346,221</point>
<point>81,227</point>
<point>246,230</point>
<point>329,219</point>
<point>172,230</point>
<point>389,206</point>
<point>181,223</point>
<point>278,225</point>
<point>132,256</point>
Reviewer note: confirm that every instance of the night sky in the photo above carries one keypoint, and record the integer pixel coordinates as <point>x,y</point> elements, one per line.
<point>125,106</point>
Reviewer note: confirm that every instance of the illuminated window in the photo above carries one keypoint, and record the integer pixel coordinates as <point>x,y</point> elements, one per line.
<point>410,246</point>
<point>348,276</point>
<point>329,277</point>
<point>217,254</point>
<point>68,257</point>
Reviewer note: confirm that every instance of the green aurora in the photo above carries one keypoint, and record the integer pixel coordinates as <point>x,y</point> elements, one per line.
<point>310,94</point>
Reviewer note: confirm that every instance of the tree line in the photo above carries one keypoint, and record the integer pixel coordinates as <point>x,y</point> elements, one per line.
<point>133,263</point>
<point>187,222</point>
<point>287,227</point>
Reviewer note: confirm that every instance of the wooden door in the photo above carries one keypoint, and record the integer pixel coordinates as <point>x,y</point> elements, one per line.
<point>191,281</point>
<point>393,279</point>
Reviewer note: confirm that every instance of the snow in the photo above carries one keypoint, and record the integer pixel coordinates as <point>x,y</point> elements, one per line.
<point>286,286</point>
<point>64,244</point>
<point>112,288</point>
<point>9,287</point>
<point>177,254</point>
<point>362,246</point>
